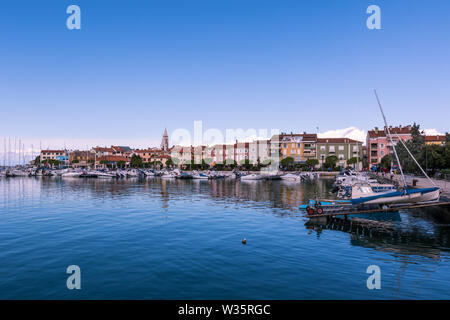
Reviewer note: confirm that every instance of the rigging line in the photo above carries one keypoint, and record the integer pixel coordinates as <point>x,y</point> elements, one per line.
<point>390,138</point>
<point>409,152</point>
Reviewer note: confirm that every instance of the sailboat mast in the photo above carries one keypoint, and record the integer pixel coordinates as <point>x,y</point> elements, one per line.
<point>9,151</point>
<point>392,142</point>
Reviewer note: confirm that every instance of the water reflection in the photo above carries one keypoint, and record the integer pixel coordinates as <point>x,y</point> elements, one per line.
<point>182,239</point>
<point>420,232</point>
<point>276,194</point>
<point>399,236</point>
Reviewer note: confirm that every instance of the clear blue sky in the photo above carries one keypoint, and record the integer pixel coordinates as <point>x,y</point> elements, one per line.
<point>136,67</point>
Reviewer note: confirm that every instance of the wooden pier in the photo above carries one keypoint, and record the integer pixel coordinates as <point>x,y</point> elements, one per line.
<point>389,209</point>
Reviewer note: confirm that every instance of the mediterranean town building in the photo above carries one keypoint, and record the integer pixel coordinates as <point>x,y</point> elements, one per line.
<point>152,156</point>
<point>101,152</point>
<point>378,143</point>
<point>435,140</point>
<point>112,161</point>
<point>59,155</point>
<point>343,148</point>
<point>299,146</point>
<point>81,158</point>
<point>124,151</point>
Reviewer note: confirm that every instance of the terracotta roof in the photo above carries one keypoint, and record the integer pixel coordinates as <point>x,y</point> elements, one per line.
<point>305,136</point>
<point>112,159</point>
<point>52,151</point>
<point>336,140</point>
<point>394,130</point>
<point>122,148</point>
<point>101,149</point>
<point>435,138</point>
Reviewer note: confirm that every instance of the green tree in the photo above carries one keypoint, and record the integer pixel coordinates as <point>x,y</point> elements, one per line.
<point>37,160</point>
<point>208,161</point>
<point>415,145</point>
<point>312,163</point>
<point>435,157</point>
<point>230,163</point>
<point>330,162</point>
<point>245,163</point>
<point>266,162</point>
<point>52,162</point>
<point>121,164</point>
<point>386,161</point>
<point>353,160</point>
<point>169,162</point>
<point>136,161</point>
<point>287,162</point>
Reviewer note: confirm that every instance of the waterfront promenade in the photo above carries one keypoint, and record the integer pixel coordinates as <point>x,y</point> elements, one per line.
<point>421,182</point>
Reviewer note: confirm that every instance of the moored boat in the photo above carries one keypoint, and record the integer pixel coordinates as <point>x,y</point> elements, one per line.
<point>251,177</point>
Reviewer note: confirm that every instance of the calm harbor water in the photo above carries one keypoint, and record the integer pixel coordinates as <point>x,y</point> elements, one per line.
<point>163,239</point>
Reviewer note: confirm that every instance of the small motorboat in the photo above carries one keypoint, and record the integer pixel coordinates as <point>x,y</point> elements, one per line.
<point>181,175</point>
<point>291,177</point>
<point>251,177</point>
<point>199,175</point>
<point>150,173</point>
<point>16,173</point>
<point>72,174</point>
<point>104,174</point>
<point>167,175</point>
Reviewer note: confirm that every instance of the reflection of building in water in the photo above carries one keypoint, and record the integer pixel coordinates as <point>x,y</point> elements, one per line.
<point>164,194</point>
<point>279,194</point>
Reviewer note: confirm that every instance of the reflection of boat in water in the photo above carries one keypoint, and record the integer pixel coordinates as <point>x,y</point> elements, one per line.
<point>384,232</point>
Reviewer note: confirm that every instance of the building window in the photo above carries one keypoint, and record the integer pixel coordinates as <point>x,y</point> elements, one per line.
<point>355,149</point>
<point>322,147</point>
<point>341,148</point>
<point>341,157</point>
<point>331,149</point>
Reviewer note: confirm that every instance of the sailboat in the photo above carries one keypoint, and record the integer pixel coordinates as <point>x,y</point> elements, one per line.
<point>365,195</point>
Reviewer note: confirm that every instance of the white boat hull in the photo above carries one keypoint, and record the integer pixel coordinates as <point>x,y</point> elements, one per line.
<point>252,177</point>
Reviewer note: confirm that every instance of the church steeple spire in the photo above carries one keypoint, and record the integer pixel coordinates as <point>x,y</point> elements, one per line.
<point>165,141</point>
